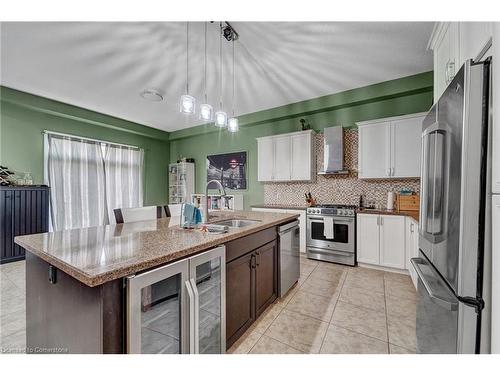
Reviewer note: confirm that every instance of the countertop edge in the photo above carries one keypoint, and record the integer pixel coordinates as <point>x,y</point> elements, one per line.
<point>279,207</point>
<point>93,281</point>
<point>412,214</point>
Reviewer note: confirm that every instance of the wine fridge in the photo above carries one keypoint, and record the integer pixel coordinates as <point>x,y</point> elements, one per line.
<point>179,308</point>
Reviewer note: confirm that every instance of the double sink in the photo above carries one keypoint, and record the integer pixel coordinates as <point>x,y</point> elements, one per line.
<point>237,223</point>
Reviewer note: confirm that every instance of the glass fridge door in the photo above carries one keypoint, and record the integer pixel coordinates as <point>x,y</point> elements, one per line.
<point>156,315</point>
<point>207,302</point>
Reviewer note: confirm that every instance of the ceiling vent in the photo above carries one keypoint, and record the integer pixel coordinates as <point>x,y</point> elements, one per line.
<point>152,95</point>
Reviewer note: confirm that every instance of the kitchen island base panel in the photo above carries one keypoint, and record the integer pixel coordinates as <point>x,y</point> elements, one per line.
<point>67,316</point>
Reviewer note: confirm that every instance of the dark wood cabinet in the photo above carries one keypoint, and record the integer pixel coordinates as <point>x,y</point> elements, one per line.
<point>251,281</point>
<point>23,210</point>
<point>240,305</point>
<point>266,276</point>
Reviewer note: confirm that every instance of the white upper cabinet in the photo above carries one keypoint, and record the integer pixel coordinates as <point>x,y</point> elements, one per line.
<point>301,156</point>
<point>265,151</point>
<point>475,39</point>
<point>453,43</point>
<point>446,55</point>
<point>374,150</point>
<point>391,147</point>
<point>286,157</point>
<point>282,162</point>
<point>406,135</point>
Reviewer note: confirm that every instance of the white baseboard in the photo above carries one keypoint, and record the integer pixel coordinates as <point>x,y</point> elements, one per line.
<point>382,268</point>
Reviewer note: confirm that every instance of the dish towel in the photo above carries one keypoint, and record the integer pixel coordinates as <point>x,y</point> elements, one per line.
<point>328,227</point>
<point>198,218</point>
<point>189,214</point>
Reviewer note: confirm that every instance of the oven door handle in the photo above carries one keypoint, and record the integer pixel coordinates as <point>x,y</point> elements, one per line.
<point>341,253</point>
<point>319,219</point>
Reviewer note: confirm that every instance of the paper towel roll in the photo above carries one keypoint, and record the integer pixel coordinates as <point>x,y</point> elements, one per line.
<point>390,200</point>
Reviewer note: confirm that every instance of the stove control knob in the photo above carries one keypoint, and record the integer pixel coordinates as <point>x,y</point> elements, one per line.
<point>340,212</point>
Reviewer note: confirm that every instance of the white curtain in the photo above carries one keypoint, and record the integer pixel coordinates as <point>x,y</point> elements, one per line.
<point>76,178</point>
<point>88,179</point>
<point>123,169</point>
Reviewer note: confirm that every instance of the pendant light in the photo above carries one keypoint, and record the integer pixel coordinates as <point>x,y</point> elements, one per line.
<point>187,102</point>
<point>206,110</point>
<point>233,125</point>
<point>220,115</point>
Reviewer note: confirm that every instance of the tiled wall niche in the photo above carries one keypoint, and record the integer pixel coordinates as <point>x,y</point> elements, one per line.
<point>341,189</point>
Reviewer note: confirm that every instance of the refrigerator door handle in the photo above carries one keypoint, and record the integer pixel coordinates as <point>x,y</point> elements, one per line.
<point>449,305</point>
<point>426,191</point>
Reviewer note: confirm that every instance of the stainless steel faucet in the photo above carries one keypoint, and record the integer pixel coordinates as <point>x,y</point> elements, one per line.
<point>222,193</point>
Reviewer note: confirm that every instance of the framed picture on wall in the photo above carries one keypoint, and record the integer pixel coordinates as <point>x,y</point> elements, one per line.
<point>229,169</point>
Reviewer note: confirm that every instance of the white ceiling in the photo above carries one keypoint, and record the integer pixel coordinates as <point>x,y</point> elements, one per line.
<point>104,66</point>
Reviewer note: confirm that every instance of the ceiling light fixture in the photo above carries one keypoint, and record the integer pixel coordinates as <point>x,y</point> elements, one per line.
<point>220,115</point>
<point>187,102</point>
<point>206,110</point>
<point>233,125</point>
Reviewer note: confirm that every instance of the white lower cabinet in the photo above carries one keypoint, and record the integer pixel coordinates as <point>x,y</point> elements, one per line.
<point>392,241</point>
<point>381,240</point>
<point>368,239</point>
<point>411,247</point>
<point>302,222</point>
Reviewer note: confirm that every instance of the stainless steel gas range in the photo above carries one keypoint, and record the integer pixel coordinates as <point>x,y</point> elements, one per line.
<point>331,233</point>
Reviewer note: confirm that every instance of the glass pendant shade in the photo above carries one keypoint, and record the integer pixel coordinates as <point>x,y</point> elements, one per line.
<point>187,104</point>
<point>233,125</point>
<point>220,119</point>
<point>206,112</point>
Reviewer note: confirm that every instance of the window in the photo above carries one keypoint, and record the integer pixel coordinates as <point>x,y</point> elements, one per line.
<point>89,178</point>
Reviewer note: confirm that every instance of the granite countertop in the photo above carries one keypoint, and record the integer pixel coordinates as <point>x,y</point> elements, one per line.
<point>281,206</point>
<point>97,255</point>
<point>412,214</point>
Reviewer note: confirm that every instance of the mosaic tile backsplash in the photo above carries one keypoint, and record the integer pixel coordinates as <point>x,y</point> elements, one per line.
<point>341,189</point>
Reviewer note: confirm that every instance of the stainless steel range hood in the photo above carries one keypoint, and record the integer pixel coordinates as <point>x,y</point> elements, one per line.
<point>333,151</point>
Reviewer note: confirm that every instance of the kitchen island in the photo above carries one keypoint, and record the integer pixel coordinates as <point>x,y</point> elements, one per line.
<point>78,299</point>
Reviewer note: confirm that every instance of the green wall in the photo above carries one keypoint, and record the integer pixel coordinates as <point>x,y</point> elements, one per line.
<point>23,117</point>
<point>391,98</point>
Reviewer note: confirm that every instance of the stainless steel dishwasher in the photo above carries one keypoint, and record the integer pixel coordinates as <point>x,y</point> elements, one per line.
<point>289,256</point>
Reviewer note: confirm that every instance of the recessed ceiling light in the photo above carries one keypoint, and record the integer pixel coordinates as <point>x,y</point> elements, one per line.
<point>152,95</point>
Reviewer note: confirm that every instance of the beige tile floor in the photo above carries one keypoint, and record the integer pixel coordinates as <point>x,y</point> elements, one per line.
<point>337,309</point>
<point>12,307</point>
<point>333,309</point>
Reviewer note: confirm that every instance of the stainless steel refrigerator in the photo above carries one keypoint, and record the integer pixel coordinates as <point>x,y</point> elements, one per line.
<point>454,255</point>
